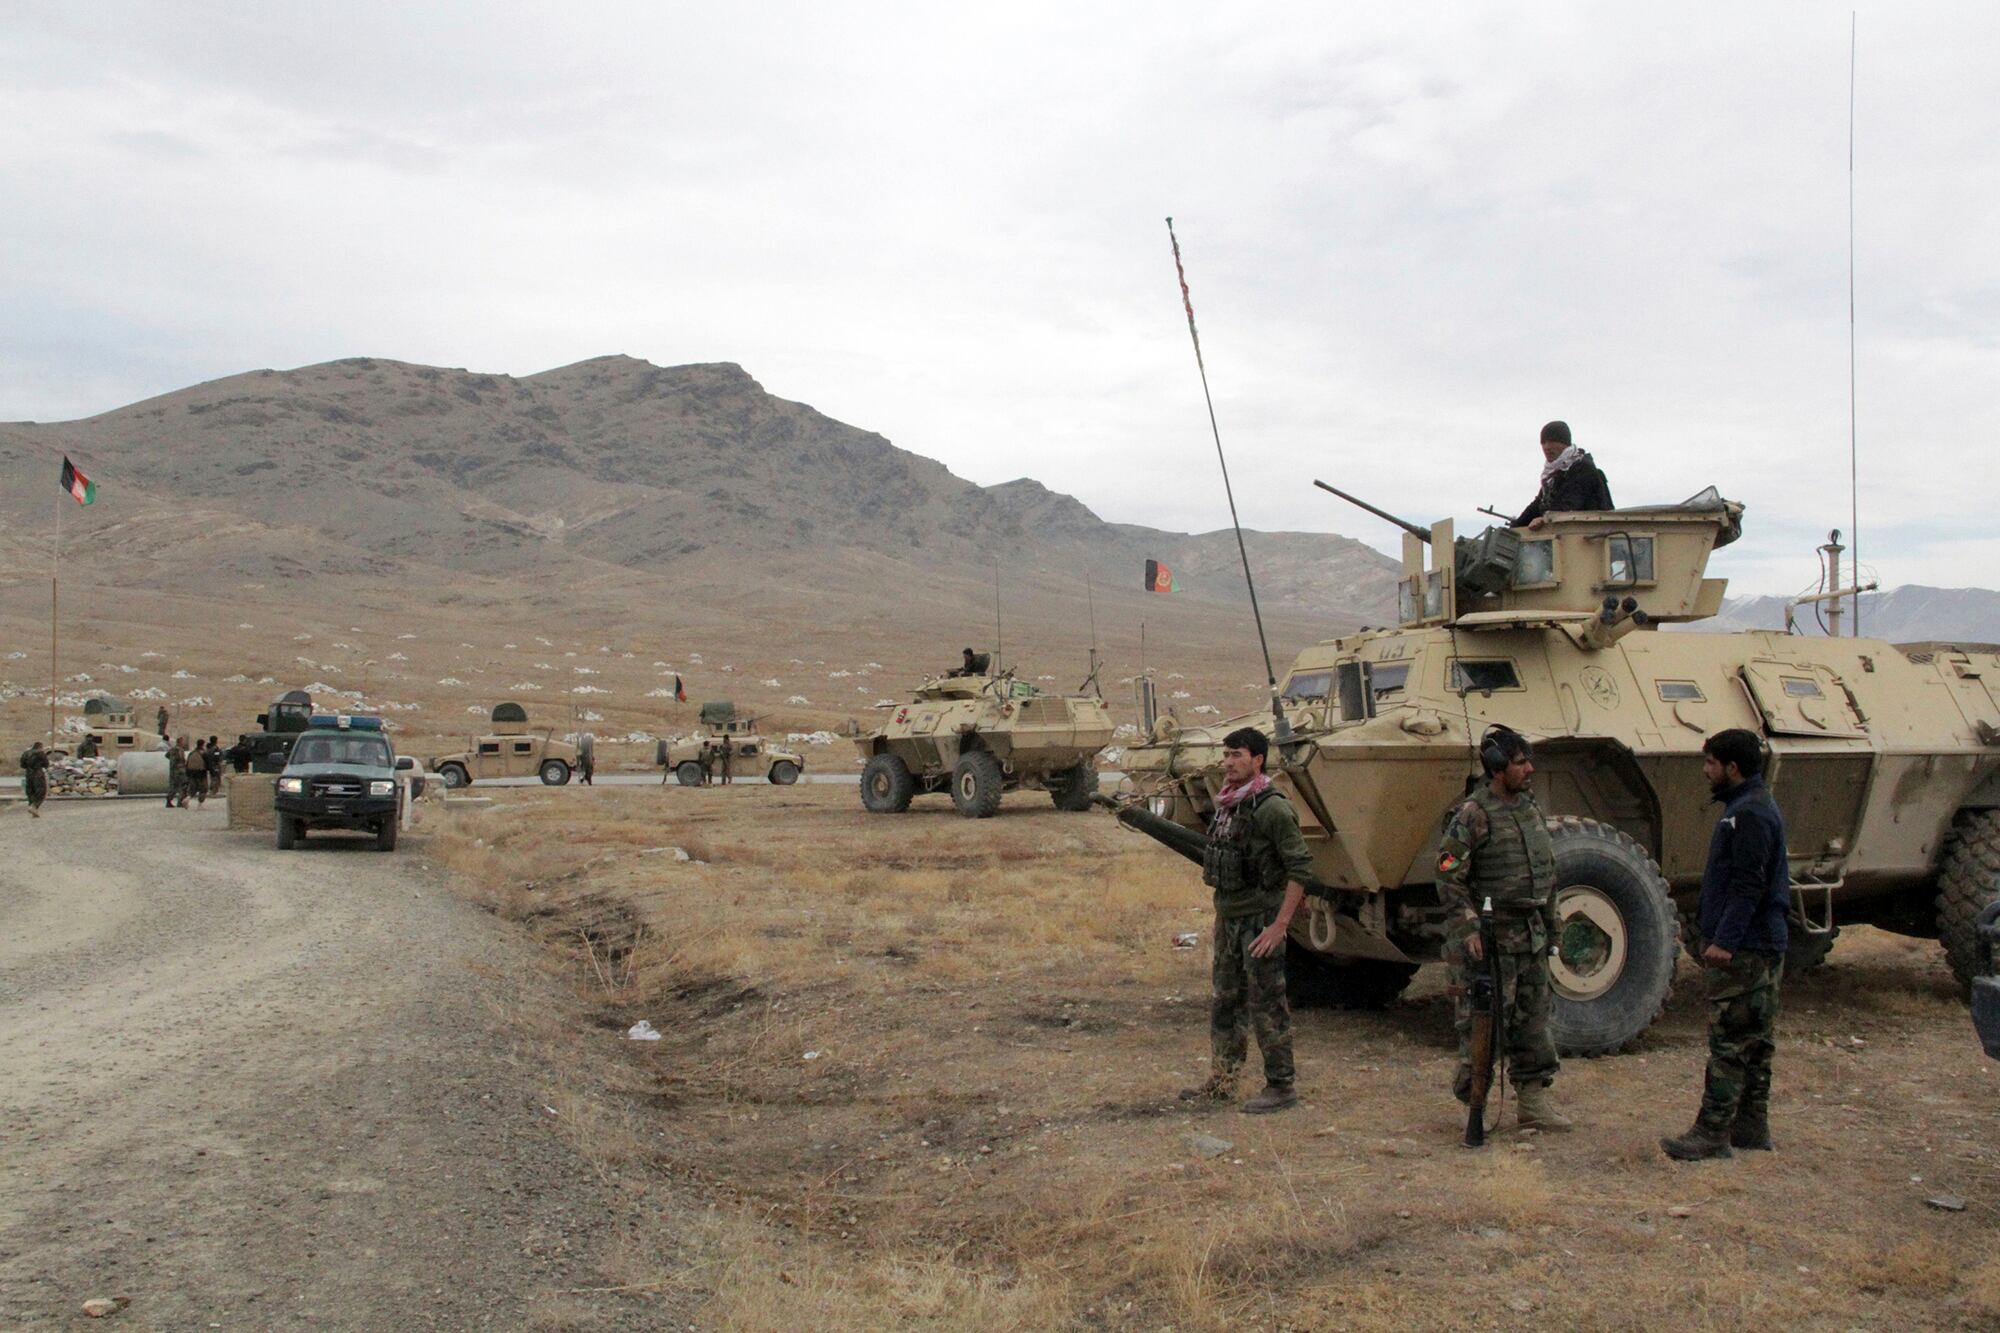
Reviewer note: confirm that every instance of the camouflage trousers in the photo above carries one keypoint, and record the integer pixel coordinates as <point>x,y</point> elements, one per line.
<point>1249,993</point>
<point>1742,1013</point>
<point>1523,1006</point>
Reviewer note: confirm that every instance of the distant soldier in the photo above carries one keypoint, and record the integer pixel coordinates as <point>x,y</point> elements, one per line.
<point>195,769</point>
<point>176,771</point>
<point>1257,863</point>
<point>35,777</point>
<point>1497,846</point>
<point>88,749</point>
<point>1571,480</point>
<point>163,721</point>
<point>1745,893</point>
<point>212,755</point>
<point>587,760</point>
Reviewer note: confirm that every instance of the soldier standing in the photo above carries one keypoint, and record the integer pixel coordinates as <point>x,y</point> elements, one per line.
<point>163,721</point>
<point>1257,863</point>
<point>35,777</point>
<point>195,767</point>
<point>1497,846</point>
<point>587,759</point>
<point>176,772</point>
<point>212,757</point>
<point>1571,480</point>
<point>1745,894</point>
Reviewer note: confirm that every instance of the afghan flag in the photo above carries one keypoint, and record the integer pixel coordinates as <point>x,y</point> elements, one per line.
<point>680,691</point>
<point>1160,579</point>
<point>81,488</point>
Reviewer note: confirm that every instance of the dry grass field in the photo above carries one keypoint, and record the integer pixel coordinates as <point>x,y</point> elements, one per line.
<point>918,1071</point>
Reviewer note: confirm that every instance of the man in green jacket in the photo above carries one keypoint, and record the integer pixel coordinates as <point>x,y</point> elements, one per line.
<point>1257,863</point>
<point>1496,847</point>
<point>35,777</point>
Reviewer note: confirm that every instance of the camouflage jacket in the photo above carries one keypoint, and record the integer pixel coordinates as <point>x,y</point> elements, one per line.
<point>1491,849</point>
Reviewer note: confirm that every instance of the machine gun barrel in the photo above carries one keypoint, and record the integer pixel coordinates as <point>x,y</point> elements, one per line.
<point>1421,534</point>
<point>1186,841</point>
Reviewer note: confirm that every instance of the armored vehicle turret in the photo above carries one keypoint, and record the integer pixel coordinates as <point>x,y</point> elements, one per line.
<point>977,736</point>
<point>511,750</point>
<point>1885,760</point>
<point>266,749</point>
<point>726,747</point>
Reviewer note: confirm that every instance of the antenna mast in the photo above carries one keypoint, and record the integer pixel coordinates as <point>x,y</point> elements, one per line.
<point>1853,471</point>
<point>1281,724</point>
<point>996,618</point>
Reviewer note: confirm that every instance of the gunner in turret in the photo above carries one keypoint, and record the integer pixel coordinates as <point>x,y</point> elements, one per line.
<point>1571,480</point>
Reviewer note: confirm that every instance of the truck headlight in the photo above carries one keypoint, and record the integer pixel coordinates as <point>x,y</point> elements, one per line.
<point>1161,804</point>
<point>291,786</point>
<point>382,788</point>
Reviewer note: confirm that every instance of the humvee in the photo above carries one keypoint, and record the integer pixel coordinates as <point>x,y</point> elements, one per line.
<point>265,750</point>
<point>110,722</point>
<point>1884,758</point>
<point>725,748</point>
<point>978,735</point>
<point>511,751</point>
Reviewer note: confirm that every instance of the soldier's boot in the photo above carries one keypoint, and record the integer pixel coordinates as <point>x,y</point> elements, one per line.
<point>1698,1144</point>
<point>1535,1109</point>
<point>1214,1088</point>
<point>1751,1129</point>
<point>1274,1097</point>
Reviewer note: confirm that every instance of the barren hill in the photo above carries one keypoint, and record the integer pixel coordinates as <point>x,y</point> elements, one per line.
<point>371,466</point>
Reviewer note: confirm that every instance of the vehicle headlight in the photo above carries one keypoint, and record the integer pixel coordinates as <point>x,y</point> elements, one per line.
<point>291,786</point>
<point>382,788</point>
<point>1161,804</point>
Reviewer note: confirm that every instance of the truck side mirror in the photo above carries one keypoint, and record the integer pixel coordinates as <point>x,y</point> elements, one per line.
<point>264,721</point>
<point>404,763</point>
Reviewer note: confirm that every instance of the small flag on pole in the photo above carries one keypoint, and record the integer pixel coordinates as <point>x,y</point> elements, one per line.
<point>1160,579</point>
<point>680,691</point>
<point>81,488</point>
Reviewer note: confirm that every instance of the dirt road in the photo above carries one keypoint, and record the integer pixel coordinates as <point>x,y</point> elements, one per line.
<point>249,1089</point>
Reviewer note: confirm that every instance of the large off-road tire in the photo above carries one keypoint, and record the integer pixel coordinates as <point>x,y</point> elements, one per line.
<point>784,773</point>
<point>1313,980</point>
<point>1618,936</point>
<point>385,835</point>
<point>1073,788</point>
<point>554,773</point>
<point>886,785</point>
<point>1968,879</point>
<point>288,833</point>
<point>688,773</point>
<point>975,785</point>
<point>455,776</point>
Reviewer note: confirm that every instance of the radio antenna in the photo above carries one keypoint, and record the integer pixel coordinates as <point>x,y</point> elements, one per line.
<point>1281,723</point>
<point>1853,470</point>
<point>998,662</point>
<point>1090,601</point>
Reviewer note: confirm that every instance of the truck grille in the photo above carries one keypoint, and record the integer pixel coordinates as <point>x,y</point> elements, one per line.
<point>336,786</point>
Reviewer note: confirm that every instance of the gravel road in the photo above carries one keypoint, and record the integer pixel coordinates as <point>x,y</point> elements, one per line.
<point>248,1088</point>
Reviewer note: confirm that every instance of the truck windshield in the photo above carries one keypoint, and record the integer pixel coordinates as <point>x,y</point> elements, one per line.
<point>361,751</point>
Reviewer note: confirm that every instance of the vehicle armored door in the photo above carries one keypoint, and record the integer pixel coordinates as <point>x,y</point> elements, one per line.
<point>1820,789</point>
<point>487,760</point>
<point>522,756</point>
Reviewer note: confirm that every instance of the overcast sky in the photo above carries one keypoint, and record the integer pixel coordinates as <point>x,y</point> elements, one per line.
<point>1411,237</point>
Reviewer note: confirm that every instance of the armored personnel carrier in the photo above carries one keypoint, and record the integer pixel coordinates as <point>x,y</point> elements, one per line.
<point>976,736</point>
<point>727,747</point>
<point>110,722</point>
<point>1885,760</point>
<point>266,750</point>
<point>511,750</point>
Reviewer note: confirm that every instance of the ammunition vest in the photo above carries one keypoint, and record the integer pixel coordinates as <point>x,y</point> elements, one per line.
<point>1226,864</point>
<point>1516,865</point>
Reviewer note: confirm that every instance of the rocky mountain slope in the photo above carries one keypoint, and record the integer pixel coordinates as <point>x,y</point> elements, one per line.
<point>373,466</point>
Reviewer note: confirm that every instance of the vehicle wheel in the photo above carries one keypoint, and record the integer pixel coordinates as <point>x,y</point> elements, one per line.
<point>886,785</point>
<point>975,785</point>
<point>385,835</point>
<point>1617,939</point>
<point>1968,879</point>
<point>1314,980</point>
<point>659,754</point>
<point>784,773</point>
<point>688,773</point>
<point>1072,789</point>
<point>555,773</point>
<point>288,833</point>
<point>455,776</point>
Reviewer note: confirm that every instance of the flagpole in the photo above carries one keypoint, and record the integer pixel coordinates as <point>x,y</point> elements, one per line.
<point>55,602</point>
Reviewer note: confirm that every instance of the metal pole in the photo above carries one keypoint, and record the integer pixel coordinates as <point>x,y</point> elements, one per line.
<point>1853,472</point>
<point>55,599</point>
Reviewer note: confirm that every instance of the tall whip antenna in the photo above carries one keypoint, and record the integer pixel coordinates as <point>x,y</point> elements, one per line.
<point>1280,721</point>
<point>997,656</point>
<point>1853,471</point>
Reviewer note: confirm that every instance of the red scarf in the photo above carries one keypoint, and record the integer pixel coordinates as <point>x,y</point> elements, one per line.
<point>1229,798</point>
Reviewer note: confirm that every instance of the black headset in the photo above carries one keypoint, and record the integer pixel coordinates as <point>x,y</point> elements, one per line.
<point>1494,748</point>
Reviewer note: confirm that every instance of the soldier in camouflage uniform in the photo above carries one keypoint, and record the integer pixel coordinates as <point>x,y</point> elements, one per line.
<point>1745,895</point>
<point>1496,846</point>
<point>35,777</point>
<point>1257,863</point>
<point>177,773</point>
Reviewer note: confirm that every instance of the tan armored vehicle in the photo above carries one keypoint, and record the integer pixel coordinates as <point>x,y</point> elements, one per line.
<point>976,736</point>
<point>1885,760</point>
<point>511,751</point>
<point>111,724</point>
<point>727,747</point>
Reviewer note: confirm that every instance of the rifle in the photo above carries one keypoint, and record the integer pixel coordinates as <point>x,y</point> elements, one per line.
<point>1489,1029</point>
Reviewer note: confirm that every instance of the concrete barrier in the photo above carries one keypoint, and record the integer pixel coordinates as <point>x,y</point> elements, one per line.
<point>249,796</point>
<point>142,773</point>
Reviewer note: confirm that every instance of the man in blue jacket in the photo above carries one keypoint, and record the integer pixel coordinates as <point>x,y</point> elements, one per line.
<point>1745,894</point>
